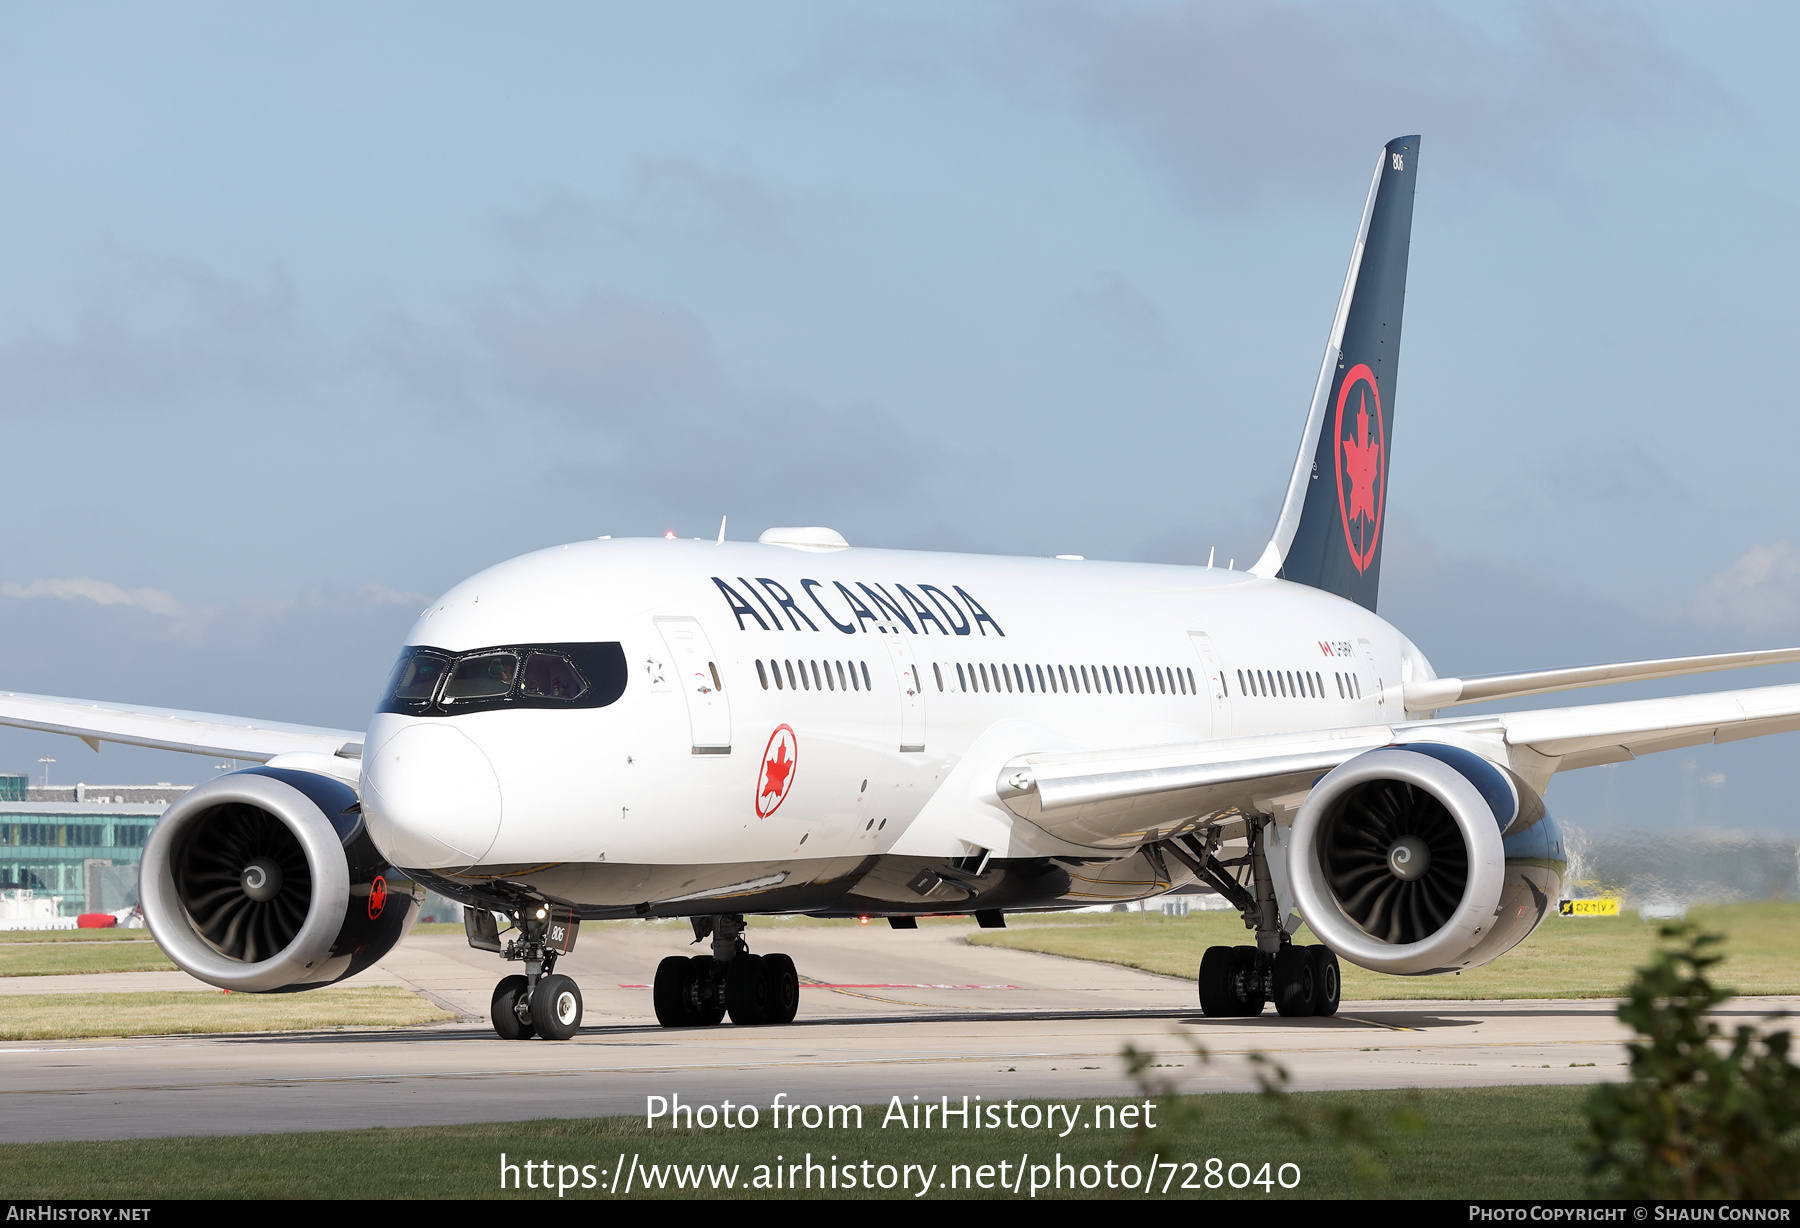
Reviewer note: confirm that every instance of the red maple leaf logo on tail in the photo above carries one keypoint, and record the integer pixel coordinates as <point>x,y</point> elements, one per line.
<point>1360,466</point>
<point>1362,462</point>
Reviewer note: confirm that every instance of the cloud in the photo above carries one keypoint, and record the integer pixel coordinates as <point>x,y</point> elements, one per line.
<point>185,329</point>
<point>1622,475</point>
<point>646,412</point>
<point>1760,589</point>
<point>666,196</point>
<point>1113,302</point>
<point>1243,103</point>
<point>100,592</point>
<point>317,657</point>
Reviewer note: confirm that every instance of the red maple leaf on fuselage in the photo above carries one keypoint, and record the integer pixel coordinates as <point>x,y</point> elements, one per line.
<point>775,771</point>
<point>1362,461</point>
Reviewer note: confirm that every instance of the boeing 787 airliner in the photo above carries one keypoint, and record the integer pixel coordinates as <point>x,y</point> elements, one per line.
<point>722,730</point>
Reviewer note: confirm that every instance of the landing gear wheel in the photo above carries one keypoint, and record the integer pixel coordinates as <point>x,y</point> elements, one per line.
<point>670,994</point>
<point>746,990</point>
<point>1296,982</point>
<point>706,990</point>
<point>783,981</point>
<point>504,1010</point>
<point>1246,985</point>
<point>1327,984</point>
<point>1215,982</point>
<point>556,1007</point>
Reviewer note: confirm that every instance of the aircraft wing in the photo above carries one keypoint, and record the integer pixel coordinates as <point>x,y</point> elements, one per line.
<point>198,733</point>
<point>1125,798</point>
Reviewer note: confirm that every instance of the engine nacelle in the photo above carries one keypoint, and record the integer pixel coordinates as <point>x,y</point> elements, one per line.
<point>265,881</point>
<point>1424,858</point>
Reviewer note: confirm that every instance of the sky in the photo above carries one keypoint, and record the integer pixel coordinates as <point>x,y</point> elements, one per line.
<point>309,311</point>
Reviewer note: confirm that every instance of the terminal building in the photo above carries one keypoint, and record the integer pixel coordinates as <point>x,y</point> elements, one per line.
<point>66,850</point>
<point>72,849</point>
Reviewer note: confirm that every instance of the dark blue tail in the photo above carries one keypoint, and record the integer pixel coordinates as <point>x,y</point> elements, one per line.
<point>1330,532</point>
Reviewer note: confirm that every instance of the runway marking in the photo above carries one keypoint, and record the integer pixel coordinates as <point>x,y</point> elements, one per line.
<point>1376,1023</point>
<point>869,997</point>
<point>309,1080</point>
<point>809,983</point>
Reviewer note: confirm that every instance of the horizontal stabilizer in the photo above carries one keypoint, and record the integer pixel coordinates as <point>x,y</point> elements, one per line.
<point>195,733</point>
<point>1450,692</point>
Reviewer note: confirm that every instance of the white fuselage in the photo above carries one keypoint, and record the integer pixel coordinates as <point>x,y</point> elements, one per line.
<point>962,654</point>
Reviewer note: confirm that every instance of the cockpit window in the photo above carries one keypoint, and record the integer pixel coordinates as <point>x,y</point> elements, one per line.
<point>488,676</point>
<point>416,676</point>
<point>550,676</point>
<point>435,682</point>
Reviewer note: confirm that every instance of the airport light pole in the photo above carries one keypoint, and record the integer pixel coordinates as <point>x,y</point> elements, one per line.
<point>46,761</point>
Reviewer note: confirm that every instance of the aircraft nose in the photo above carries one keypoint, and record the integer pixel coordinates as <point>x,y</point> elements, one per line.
<point>432,799</point>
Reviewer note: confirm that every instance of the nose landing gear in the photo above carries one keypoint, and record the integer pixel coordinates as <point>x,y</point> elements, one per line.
<point>542,1002</point>
<point>700,991</point>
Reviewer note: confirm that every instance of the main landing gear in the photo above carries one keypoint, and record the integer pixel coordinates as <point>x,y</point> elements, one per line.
<point>1241,980</point>
<point>700,990</point>
<point>543,1002</point>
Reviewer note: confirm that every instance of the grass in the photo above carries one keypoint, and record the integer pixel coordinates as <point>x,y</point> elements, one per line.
<point>64,1016</point>
<point>1586,957</point>
<point>111,934</point>
<point>1497,1142</point>
<point>46,959</point>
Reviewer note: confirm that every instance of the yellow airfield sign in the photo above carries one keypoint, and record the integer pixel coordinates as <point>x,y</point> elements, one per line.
<point>1588,908</point>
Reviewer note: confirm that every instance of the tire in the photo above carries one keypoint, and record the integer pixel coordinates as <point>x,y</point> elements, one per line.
<point>1216,999</point>
<point>1328,983</point>
<point>670,993</point>
<point>783,987</point>
<point>556,1007</point>
<point>503,1011</point>
<point>706,991</point>
<point>746,991</point>
<point>1296,982</point>
<point>1246,986</point>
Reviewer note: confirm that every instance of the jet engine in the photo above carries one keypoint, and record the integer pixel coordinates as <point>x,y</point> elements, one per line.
<point>266,881</point>
<point>1424,858</point>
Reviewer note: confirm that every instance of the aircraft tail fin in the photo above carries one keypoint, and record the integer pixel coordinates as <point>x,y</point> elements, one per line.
<point>1329,533</point>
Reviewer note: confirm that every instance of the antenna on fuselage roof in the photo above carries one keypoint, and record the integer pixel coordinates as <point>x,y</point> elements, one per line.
<point>721,531</point>
<point>1209,557</point>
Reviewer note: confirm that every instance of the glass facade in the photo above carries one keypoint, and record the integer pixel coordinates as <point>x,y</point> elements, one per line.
<point>75,851</point>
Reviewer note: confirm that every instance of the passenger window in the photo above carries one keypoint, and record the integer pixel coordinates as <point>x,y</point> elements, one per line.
<point>867,685</point>
<point>936,673</point>
<point>792,685</point>
<point>487,676</point>
<point>762,675</point>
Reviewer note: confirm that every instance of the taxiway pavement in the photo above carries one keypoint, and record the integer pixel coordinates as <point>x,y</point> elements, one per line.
<point>882,1013</point>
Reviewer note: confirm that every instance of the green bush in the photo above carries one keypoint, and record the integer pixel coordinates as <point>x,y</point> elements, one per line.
<point>1704,1115</point>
